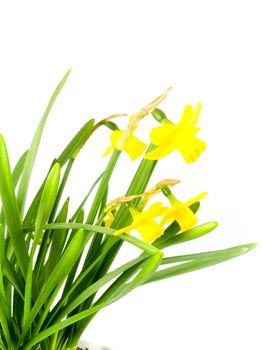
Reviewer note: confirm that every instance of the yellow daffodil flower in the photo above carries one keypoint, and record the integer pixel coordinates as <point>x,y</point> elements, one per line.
<point>144,222</point>
<point>125,140</point>
<point>112,207</point>
<point>133,146</point>
<point>181,137</point>
<point>181,213</point>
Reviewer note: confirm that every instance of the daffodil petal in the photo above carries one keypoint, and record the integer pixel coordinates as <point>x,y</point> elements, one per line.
<point>196,113</point>
<point>126,229</point>
<point>186,116</point>
<point>190,116</point>
<point>135,213</point>
<point>183,215</point>
<point>162,134</point>
<point>108,151</point>
<point>195,199</point>
<point>159,152</point>
<point>134,147</point>
<point>186,218</point>
<point>156,209</point>
<point>115,136</point>
<point>109,219</point>
<point>150,231</point>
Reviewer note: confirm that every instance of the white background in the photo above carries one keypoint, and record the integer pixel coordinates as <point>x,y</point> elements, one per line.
<point>123,54</point>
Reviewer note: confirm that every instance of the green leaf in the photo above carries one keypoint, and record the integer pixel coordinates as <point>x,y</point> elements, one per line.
<point>39,274</point>
<point>16,176</point>
<point>73,290</point>
<point>199,261</point>
<point>45,207</point>
<point>146,270</point>
<point>185,236</point>
<point>77,142</point>
<point>89,291</point>
<point>58,275</point>
<point>10,208</point>
<point>93,288</point>
<point>3,320</point>
<point>107,231</point>
<point>123,217</point>
<point>80,207</point>
<point>7,270</point>
<point>2,246</point>
<point>93,213</point>
<point>66,154</point>
<point>79,219</point>
<point>2,345</point>
<point>30,160</point>
<point>13,277</point>
<point>2,261</point>
<point>58,239</point>
<point>47,200</point>
<point>61,189</point>
<point>61,325</point>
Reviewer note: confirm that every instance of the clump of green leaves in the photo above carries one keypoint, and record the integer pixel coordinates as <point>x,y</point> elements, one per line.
<point>48,295</point>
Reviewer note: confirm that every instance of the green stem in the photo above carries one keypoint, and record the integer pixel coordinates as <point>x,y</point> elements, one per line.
<point>103,185</point>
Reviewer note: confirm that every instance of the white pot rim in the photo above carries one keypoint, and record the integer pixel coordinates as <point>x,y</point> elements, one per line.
<point>89,346</point>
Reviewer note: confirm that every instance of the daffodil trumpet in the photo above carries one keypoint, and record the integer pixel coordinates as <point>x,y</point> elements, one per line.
<point>181,212</point>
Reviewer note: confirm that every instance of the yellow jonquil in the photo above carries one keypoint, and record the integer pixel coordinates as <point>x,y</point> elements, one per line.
<point>133,146</point>
<point>181,213</point>
<point>125,140</point>
<point>112,207</point>
<point>181,137</point>
<point>144,222</point>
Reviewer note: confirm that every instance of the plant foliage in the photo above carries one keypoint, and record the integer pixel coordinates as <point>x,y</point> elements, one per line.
<point>48,294</point>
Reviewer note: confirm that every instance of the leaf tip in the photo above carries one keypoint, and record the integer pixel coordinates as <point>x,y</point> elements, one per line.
<point>69,71</point>
<point>249,246</point>
<point>214,224</point>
